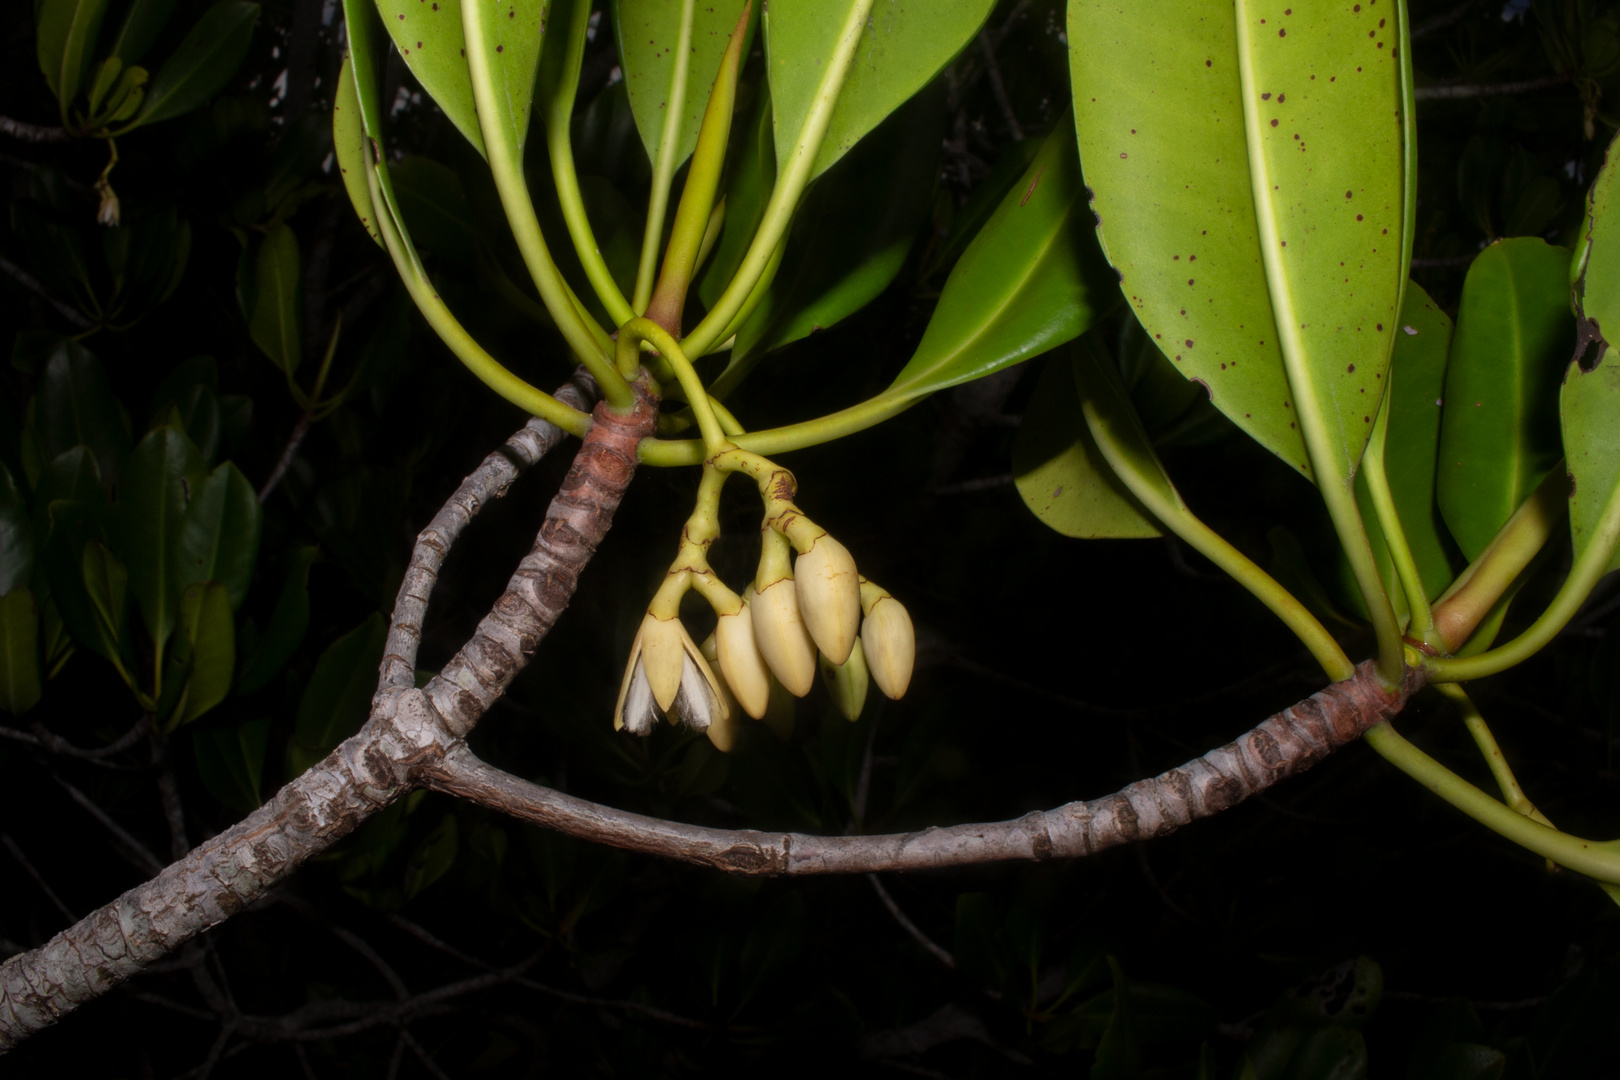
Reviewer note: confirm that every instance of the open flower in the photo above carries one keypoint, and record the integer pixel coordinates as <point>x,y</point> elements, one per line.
<point>667,677</point>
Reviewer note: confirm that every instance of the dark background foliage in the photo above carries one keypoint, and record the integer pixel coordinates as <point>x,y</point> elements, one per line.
<point>1345,925</point>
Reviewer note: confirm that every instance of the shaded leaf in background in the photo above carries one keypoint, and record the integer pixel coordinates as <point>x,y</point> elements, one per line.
<point>900,50</point>
<point>1061,475</point>
<point>853,232</point>
<point>230,761</point>
<point>289,619</point>
<point>141,26</point>
<point>1032,279</point>
<point>1411,445</point>
<point>647,32</point>
<point>16,536</point>
<point>433,857</point>
<point>1119,1054</point>
<point>19,651</point>
<point>75,406</point>
<point>202,63</point>
<point>1499,426</point>
<point>277,318</point>
<point>219,539</point>
<point>66,39</point>
<point>338,695</point>
<point>161,476</point>
<point>435,207</point>
<point>205,646</point>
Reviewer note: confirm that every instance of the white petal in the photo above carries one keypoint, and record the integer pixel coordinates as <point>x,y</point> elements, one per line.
<point>640,710</point>
<point>696,703</point>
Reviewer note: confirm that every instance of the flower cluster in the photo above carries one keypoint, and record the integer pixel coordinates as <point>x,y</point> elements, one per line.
<point>801,612</point>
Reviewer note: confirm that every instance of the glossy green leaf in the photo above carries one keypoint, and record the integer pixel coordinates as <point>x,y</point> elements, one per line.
<point>230,762</point>
<point>349,148</point>
<point>16,535</point>
<point>289,620</point>
<point>1032,279</point>
<point>430,38</point>
<point>1590,404</point>
<point>159,479</point>
<point>75,406</point>
<point>106,77</point>
<point>647,33</point>
<point>433,858</point>
<point>512,33</point>
<point>219,539</point>
<point>142,24</point>
<point>1062,475</point>
<point>902,48</point>
<point>435,207</point>
<point>1499,427</point>
<point>1173,411</point>
<point>202,63</point>
<point>205,646</point>
<point>106,583</point>
<point>1411,445</point>
<point>852,234</point>
<point>65,42</point>
<point>1175,175</point>
<point>983,199</point>
<point>19,651</point>
<point>750,176</point>
<point>277,319</point>
<point>1113,422</point>
<point>337,698</point>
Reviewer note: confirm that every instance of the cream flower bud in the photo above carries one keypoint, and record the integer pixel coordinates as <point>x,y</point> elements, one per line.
<point>847,682</point>
<point>781,636</point>
<point>742,663</point>
<point>829,591</point>
<point>890,642</point>
<point>663,645</point>
<point>723,732</point>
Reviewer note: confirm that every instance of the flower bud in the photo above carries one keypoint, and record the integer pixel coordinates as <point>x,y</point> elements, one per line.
<point>829,591</point>
<point>890,642</point>
<point>847,682</point>
<point>742,663</point>
<point>781,636</point>
<point>663,645</point>
<point>723,733</point>
<point>781,712</point>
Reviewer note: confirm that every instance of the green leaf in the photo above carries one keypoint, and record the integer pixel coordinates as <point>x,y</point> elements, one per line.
<point>160,478</point>
<point>1119,1054</point>
<point>852,234</point>
<point>289,619</point>
<point>1590,406</point>
<point>19,652</point>
<point>105,78</point>
<point>277,319</point>
<point>188,401</point>
<point>902,48</point>
<point>751,174</point>
<point>433,857</point>
<point>66,40</point>
<point>349,148</point>
<point>106,582</point>
<point>435,207</point>
<point>230,762</point>
<point>647,32</point>
<point>338,697</point>
<point>202,63</point>
<point>205,646</point>
<point>431,41</point>
<point>16,536</point>
<point>141,27</point>
<point>1417,387</point>
<point>512,34</point>
<point>776,938</point>
<point>1061,475</point>
<point>1175,176</point>
<point>75,406</point>
<point>1499,426</point>
<point>1032,279</point>
<point>983,199</point>
<point>219,539</point>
